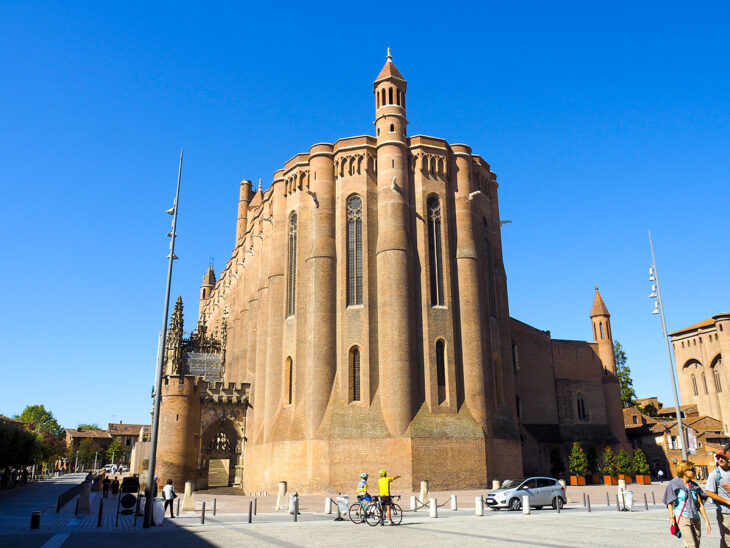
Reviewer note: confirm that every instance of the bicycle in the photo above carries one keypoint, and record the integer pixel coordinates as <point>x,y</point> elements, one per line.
<point>375,513</point>
<point>358,510</point>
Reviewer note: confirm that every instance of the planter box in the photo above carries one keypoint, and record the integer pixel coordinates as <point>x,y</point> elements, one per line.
<point>577,480</point>
<point>625,477</point>
<point>643,479</point>
<point>610,480</point>
<point>593,479</point>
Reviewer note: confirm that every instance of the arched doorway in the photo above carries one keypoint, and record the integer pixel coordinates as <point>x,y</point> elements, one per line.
<point>220,450</point>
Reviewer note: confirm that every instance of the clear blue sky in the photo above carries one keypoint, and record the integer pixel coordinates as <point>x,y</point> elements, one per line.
<point>602,120</point>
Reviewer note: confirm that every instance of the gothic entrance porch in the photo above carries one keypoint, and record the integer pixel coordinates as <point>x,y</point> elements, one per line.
<point>220,453</point>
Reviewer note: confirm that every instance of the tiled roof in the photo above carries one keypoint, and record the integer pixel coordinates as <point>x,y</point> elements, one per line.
<point>704,323</point>
<point>389,71</point>
<point>599,307</point>
<point>3,418</point>
<point>121,429</point>
<point>87,433</point>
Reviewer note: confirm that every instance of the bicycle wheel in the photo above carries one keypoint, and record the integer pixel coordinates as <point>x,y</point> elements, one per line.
<point>396,514</point>
<point>356,513</point>
<point>373,515</point>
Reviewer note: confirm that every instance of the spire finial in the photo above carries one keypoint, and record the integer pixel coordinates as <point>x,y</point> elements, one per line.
<point>388,57</point>
<point>596,288</point>
<point>259,188</point>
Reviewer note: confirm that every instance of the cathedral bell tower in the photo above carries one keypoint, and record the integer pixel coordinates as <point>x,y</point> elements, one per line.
<point>394,284</point>
<point>602,335</point>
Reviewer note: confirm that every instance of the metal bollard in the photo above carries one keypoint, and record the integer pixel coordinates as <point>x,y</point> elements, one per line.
<point>255,505</point>
<point>35,520</point>
<point>433,509</point>
<point>414,504</point>
<point>250,506</point>
<point>584,500</point>
<point>646,503</point>
<point>202,515</point>
<point>588,500</point>
<point>76,510</point>
<point>101,512</point>
<point>454,507</point>
<point>653,500</point>
<point>328,505</point>
<point>214,505</point>
<point>525,504</point>
<point>478,506</point>
<point>296,508</point>
<point>618,503</point>
<point>559,504</point>
<point>266,494</point>
<point>608,501</point>
<point>178,507</point>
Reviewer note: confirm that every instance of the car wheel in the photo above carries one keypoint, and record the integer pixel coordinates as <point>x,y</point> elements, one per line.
<point>515,504</point>
<point>558,501</point>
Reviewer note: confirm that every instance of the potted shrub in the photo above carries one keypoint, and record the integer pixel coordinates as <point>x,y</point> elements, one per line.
<point>624,465</point>
<point>641,467</point>
<point>609,467</point>
<point>578,463</point>
<point>594,476</point>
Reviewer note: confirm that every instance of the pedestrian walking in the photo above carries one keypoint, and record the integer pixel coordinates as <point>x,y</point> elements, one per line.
<point>168,493</point>
<point>115,486</point>
<point>718,489</point>
<point>685,502</point>
<point>106,482</point>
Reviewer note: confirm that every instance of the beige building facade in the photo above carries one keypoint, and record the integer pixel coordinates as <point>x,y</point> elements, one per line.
<point>703,380</point>
<point>362,322</point>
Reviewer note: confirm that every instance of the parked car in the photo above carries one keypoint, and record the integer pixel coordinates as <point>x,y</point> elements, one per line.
<point>542,492</point>
<point>108,468</point>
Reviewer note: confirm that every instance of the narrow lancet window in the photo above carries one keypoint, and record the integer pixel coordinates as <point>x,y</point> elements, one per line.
<point>435,257</point>
<point>354,250</point>
<point>292,268</point>
<point>441,371</point>
<point>355,380</point>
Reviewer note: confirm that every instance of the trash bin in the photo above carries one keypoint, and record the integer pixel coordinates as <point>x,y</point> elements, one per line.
<point>628,499</point>
<point>343,504</point>
<point>292,504</point>
<point>35,520</point>
<point>158,511</point>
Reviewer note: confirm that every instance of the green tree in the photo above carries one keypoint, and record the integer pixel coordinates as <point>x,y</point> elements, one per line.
<point>650,409</point>
<point>51,447</point>
<point>84,426</point>
<point>577,460</point>
<point>592,457</point>
<point>623,373</point>
<point>557,466</point>
<point>623,463</point>
<point>115,450</point>
<point>86,450</point>
<point>640,464</point>
<point>608,466</point>
<point>17,446</point>
<point>41,420</point>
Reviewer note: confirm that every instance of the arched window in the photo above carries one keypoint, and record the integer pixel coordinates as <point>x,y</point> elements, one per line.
<point>582,408</point>
<point>489,265</point>
<point>716,363</point>
<point>441,370</point>
<point>601,326</point>
<point>718,385</point>
<point>392,128</point>
<point>704,382</point>
<point>220,442</point>
<point>355,374</point>
<point>694,386</point>
<point>354,250</point>
<point>289,381</point>
<point>435,258</point>
<point>382,101</point>
<point>390,96</point>
<point>292,269</point>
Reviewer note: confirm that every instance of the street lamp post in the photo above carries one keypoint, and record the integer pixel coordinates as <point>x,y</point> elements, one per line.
<point>160,359</point>
<point>656,293</point>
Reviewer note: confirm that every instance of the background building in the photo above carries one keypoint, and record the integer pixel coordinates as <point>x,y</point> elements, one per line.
<point>362,322</point>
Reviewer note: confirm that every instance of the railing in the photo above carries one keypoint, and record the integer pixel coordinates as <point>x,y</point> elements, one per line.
<point>67,495</point>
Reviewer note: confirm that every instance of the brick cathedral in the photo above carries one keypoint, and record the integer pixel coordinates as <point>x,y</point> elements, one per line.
<point>362,322</point>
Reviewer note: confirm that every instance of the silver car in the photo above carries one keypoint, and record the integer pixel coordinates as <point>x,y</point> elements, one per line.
<point>542,492</point>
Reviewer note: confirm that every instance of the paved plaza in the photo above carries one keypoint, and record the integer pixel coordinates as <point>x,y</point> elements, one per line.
<point>574,526</point>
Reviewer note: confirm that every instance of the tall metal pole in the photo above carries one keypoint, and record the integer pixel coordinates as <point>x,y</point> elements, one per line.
<point>160,360</point>
<point>682,440</point>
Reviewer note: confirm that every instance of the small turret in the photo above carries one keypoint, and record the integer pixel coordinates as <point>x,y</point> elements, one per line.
<point>173,344</point>
<point>206,288</point>
<point>243,201</point>
<point>390,103</point>
<point>602,334</point>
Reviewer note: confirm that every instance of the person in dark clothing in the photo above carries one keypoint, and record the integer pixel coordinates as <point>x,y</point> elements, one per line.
<point>115,486</point>
<point>105,487</point>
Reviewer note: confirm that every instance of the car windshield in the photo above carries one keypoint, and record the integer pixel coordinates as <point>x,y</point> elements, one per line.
<point>511,484</point>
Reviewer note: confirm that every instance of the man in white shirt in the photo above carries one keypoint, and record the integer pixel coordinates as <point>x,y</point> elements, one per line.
<point>168,493</point>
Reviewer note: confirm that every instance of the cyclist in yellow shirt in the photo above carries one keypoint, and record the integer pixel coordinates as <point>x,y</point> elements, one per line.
<point>384,484</point>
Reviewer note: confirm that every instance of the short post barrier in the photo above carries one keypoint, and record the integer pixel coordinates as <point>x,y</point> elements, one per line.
<point>495,485</point>
<point>266,493</point>
<point>646,502</point>
<point>608,501</point>
<point>454,507</point>
<point>433,510</point>
<point>214,506</point>
<point>328,505</point>
<point>588,501</point>
<point>250,506</point>
<point>559,503</point>
<point>618,503</point>
<point>35,520</point>
<point>414,504</point>
<point>525,504</point>
<point>296,508</point>
<point>202,515</point>
<point>478,506</point>
<point>76,510</point>
<point>101,512</point>
<point>178,506</point>
<point>584,500</point>
<point>653,500</point>
<point>255,505</point>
